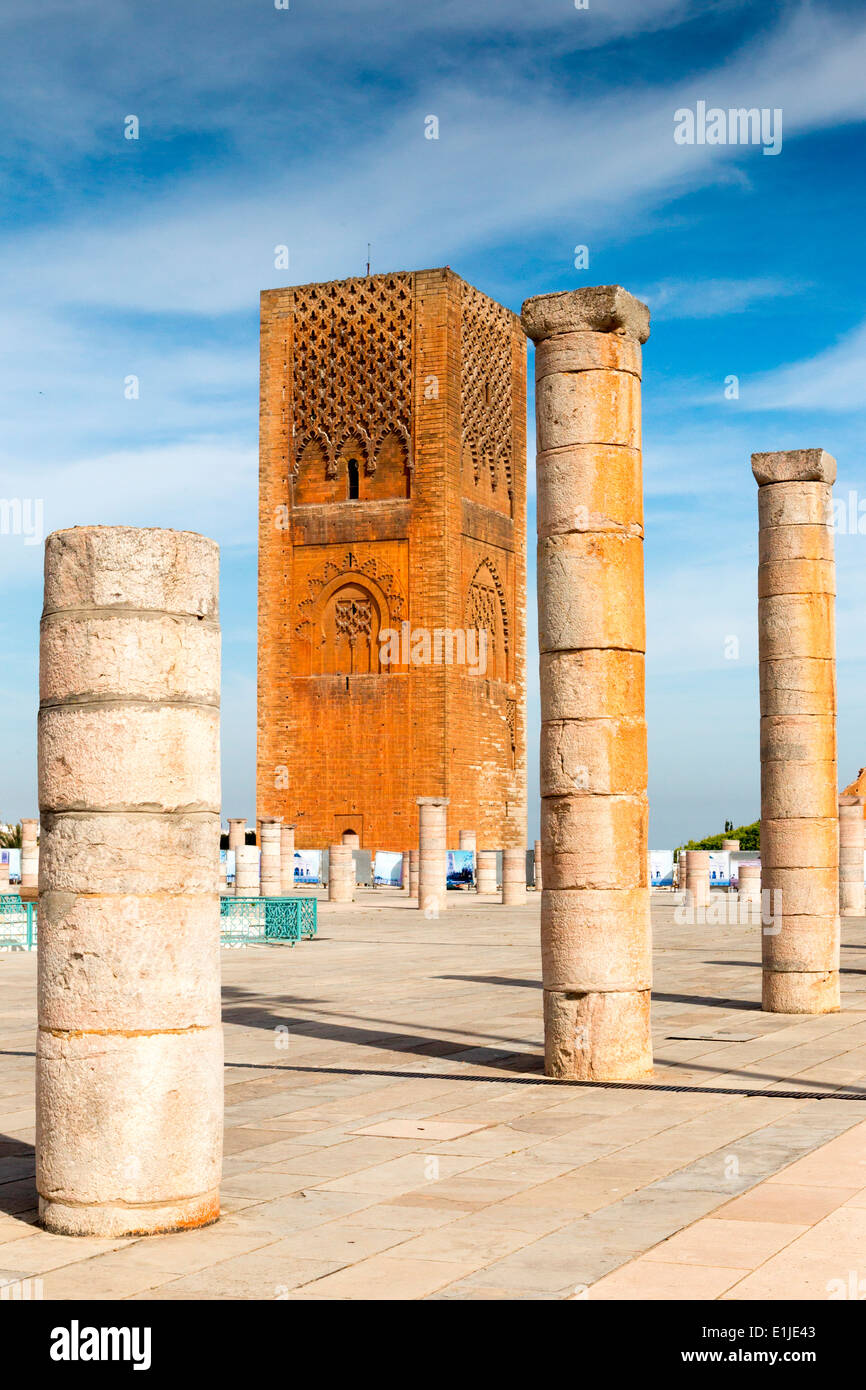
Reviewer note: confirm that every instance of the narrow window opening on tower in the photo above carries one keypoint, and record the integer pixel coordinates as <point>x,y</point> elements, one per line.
<point>353,480</point>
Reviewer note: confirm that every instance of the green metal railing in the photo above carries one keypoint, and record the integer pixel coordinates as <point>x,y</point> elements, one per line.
<point>245,921</point>
<point>17,923</point>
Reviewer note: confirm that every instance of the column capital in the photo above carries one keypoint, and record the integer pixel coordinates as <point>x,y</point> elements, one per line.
<point>433,800</point>
<point>794,466</point>
<point>595,309</point>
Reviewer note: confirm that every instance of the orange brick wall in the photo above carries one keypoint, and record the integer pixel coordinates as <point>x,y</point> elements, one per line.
<point>422,382</point>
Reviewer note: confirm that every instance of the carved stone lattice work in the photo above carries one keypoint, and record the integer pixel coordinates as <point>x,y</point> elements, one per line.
<point>486,387</point>
<point>354,618</point>
<point>352,367</point>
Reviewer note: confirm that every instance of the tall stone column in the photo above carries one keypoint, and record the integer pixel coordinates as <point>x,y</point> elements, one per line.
<point>595,907</point>
<point>269,832</point>
<point>852,891</point>
<point>487,871</point>
<point>129,1079</point>
<point>513,876</point>
<point>432,853</point>
<point>698,877</point>
<point>341,874</point>
<point>29,854</point>
<point>287,860</point>
<point>247,880</point>
<point>414,861</point>
<point>536,860</point>
<point>797,651</point>
<point>237,833</point>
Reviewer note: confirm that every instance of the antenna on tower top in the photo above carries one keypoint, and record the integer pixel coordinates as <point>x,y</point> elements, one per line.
<point>368,258</point>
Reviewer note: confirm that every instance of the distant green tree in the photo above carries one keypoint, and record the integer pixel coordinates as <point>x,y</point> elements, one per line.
<point>749,837</point>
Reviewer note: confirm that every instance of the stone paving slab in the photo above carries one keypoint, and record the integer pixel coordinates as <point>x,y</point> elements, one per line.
<point>800,1234</point>
<point>390,1133</point>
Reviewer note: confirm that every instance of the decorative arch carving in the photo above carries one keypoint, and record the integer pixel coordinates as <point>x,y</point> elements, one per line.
<point>348,602</point>
<point>487,610</point>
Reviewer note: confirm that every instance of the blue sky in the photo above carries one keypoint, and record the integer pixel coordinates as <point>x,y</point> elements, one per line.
<point>305,127</point>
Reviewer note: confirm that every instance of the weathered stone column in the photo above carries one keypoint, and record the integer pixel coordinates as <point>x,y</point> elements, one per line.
<point>5,885</point>
<point>682,871</point>
<point>852,891</point>
<point>129,1082</point>
<point>223,872</point>
<point>797,651</point>
<point>536,859</point>
<point>432,854</point>
<point>247,882</point>
<point>29,854</point>
<point>351,838</point>
<point>731,845</point>
<point>698,876</point>
<point>341,874</point>
<point>749,891</point>
<point>269,833</point>
<point>237,833</point>
<point>486,860</point>
<point>595,907</point>
<point>513,876</point>
<point>287,860</point>
<point>414,861</point>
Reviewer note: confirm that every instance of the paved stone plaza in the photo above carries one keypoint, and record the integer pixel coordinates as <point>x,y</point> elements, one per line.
<point>390,1133</point>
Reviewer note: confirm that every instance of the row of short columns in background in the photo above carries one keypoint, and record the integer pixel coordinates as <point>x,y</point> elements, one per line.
<point>269,872</point>
<point>253,878</point>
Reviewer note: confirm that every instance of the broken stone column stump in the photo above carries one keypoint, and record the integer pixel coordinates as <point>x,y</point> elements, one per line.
<point>129,1072</point>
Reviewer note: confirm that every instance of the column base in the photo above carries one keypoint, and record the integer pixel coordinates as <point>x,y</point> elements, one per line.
<point>432,903</point>
<point>108,1220</point>
<point>799,992</point>
<point>597,1037</point>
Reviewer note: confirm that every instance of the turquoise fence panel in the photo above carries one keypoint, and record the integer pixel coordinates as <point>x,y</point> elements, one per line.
<point>247,921</point>
<point>309,917</point>
<point>17,923</point>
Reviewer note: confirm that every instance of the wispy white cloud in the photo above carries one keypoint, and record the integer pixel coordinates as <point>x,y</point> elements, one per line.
<point>704,299</point>
<point>832,380</point>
